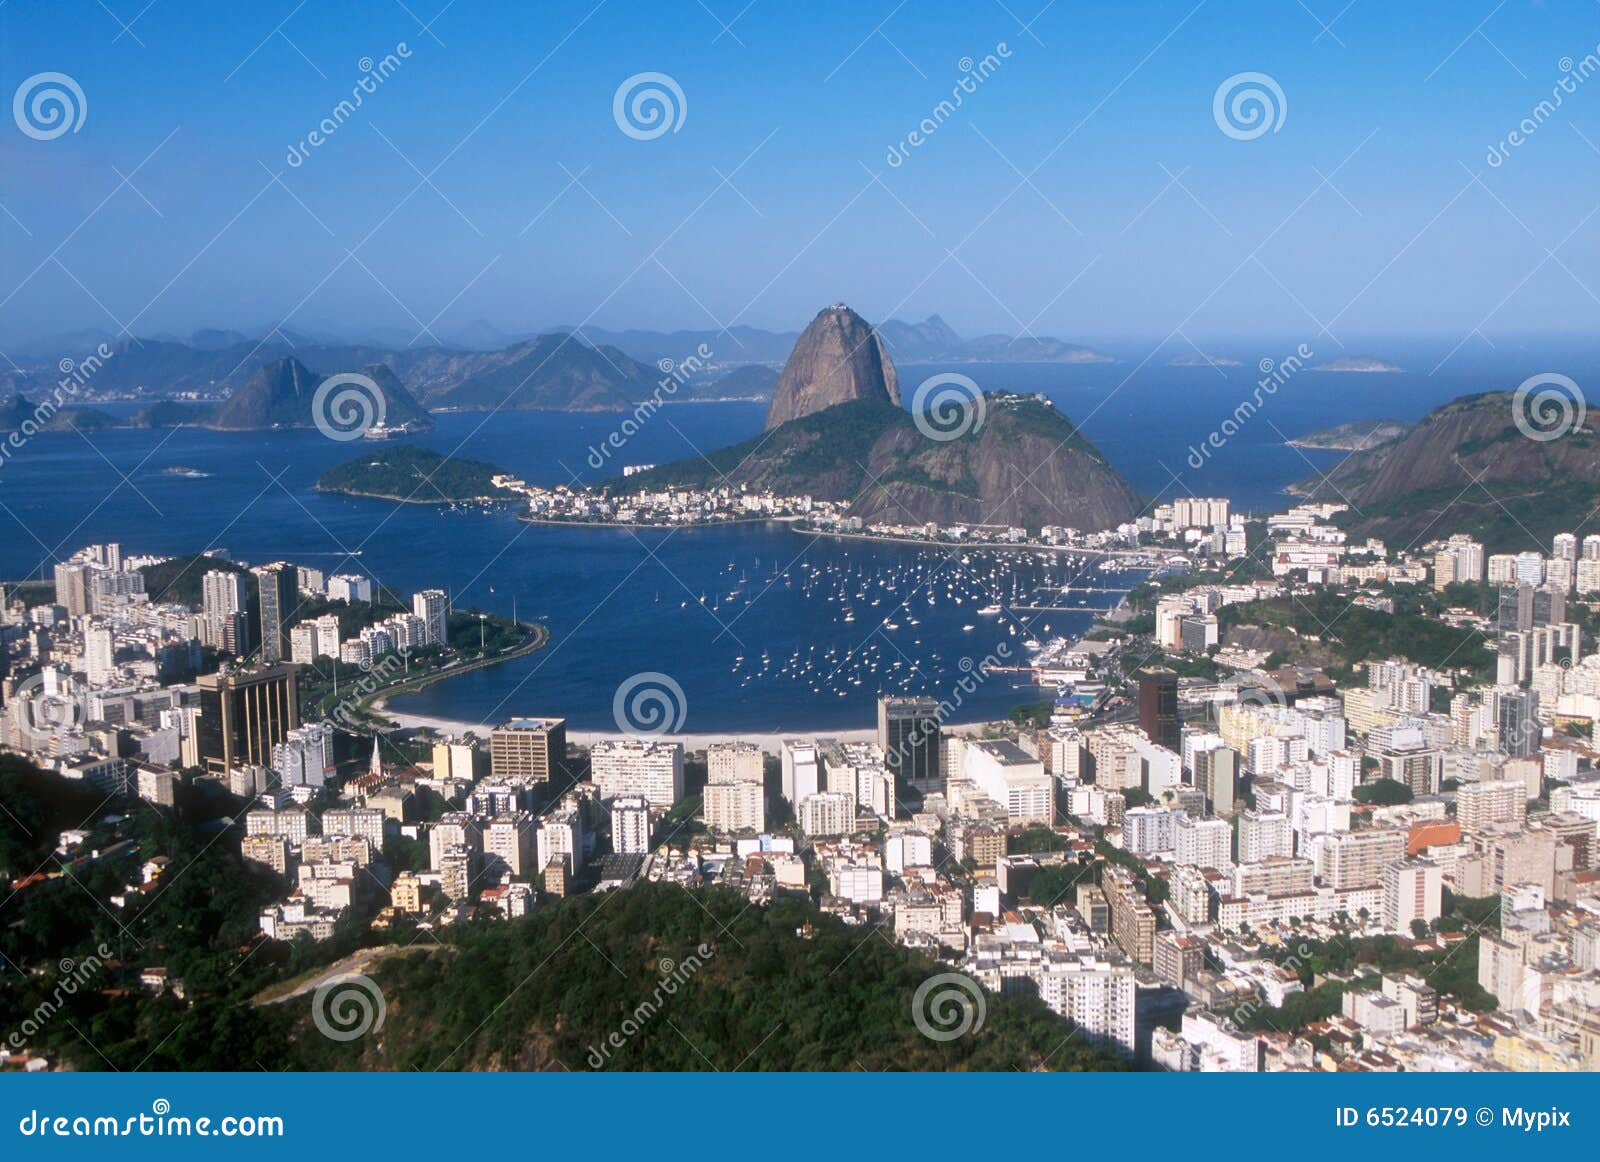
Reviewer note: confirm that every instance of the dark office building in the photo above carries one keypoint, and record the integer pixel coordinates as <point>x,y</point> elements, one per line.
<point>908,732</point>
<point>280,592</point>
<point>1528,607</point>
<point>244,713</point>
<point>1158,708</point>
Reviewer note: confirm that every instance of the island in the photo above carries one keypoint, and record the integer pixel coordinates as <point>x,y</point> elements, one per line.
<point>1356,436</point>
<point>1201,359</point>
<point>1369,364</point>
<point>414,475</point>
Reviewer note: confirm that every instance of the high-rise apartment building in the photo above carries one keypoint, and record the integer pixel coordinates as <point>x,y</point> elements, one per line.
<point>222,616</point>
<point>99,654</point>
<point>630,825</point>
<point>1133,921</point>
<point>802,770</point>
<point>1358,859</point>
<point>636,766</point>
<point>305,756</point>
<point>72,587</point>
<point>528,750</point>
<point>734,807</point>
<point>1480,806</point>
<point>734,762</point>
<point>278,597</point>
<point>1412,890</point>
<point>509,845</point>
<point>433,607</point>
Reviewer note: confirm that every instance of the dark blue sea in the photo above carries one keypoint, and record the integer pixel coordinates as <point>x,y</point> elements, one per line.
<point>763,629</point>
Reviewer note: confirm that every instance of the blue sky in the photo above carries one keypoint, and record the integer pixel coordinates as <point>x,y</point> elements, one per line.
<point>1371,211</point>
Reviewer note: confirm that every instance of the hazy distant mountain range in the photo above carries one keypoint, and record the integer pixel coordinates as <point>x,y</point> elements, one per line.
<point>483,368</point>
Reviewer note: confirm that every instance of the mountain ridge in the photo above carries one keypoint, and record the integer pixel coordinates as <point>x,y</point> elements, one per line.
<point>1024,465</point>
<point>1469,466</point>
<point>283,395</point>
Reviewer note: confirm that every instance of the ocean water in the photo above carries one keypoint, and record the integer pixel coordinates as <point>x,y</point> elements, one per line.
<point>793,632</point>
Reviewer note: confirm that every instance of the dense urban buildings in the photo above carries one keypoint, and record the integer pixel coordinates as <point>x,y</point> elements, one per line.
<point>1152,856</point>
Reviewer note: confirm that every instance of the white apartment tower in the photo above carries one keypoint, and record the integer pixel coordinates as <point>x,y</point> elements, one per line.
<point>630,825</point>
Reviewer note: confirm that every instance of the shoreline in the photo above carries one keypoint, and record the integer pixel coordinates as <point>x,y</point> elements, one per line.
<point>768,740</point>
<point>617,524</point>
<point>377,701</point>
<point>413,500</point>
<point>792,522</point>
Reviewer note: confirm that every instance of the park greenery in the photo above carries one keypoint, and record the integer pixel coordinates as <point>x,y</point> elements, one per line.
<point>777,987</point>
